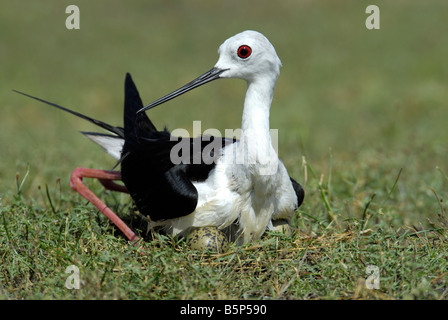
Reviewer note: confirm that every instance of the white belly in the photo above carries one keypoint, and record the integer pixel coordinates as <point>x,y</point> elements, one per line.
<point>233,194</point>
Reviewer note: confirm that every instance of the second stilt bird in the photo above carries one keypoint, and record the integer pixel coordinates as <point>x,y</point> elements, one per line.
<point>237,185</point>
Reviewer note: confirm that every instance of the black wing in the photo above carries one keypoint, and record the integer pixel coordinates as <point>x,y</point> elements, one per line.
<point>300,193</point>
<point>160,187</point>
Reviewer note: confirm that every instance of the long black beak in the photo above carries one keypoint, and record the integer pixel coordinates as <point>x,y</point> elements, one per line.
<point>211,75</point>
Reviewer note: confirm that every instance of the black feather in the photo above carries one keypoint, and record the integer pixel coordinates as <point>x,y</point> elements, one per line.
<point>300,193</point>
<point>117,130</point>
<point>160,188</point>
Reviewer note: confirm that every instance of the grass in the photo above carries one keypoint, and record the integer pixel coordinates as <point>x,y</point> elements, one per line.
<point>318,261</point>
<point>362,125</point>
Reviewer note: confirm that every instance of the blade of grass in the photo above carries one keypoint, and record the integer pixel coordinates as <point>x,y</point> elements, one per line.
<point>439,201</point>
<point>331,214</point>
<point>365,215</point>
<point>389,194</point>
<point>20,185</point>
<point>49,199</point>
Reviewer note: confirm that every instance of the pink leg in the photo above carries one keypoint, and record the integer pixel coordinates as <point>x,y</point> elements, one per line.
<point>106,178</point>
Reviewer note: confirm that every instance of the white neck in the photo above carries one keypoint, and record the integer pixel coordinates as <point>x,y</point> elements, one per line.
<point>257,105</point>
<point>255,123</point>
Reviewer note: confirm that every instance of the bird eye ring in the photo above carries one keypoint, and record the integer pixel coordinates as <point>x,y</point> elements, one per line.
<point>244,51</point>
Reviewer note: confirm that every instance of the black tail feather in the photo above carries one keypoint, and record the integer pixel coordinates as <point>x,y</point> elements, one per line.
<point>117,130</point>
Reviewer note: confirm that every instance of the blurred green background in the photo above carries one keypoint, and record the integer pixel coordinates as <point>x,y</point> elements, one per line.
<point>363,103</point>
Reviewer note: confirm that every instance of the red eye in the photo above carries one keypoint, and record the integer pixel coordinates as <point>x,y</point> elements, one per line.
<point>244,51</point>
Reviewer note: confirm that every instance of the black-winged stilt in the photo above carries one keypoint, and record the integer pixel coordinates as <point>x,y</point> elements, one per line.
<point>238,185</point>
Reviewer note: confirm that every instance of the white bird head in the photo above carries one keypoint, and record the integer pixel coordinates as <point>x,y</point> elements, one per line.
<point>247,55</point>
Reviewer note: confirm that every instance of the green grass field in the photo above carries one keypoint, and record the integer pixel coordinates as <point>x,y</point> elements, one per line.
<point>362,118</point>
